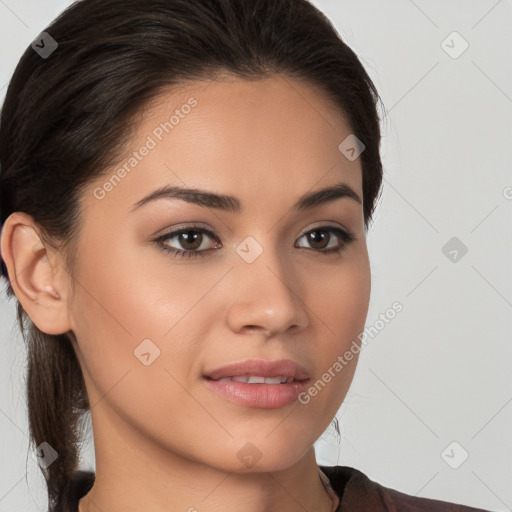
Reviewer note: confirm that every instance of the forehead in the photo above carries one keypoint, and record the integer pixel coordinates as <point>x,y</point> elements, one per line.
<point>262,139</point>
<point>253,111</point>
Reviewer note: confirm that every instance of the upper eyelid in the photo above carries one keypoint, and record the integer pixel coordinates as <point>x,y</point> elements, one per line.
<point>185,229</point>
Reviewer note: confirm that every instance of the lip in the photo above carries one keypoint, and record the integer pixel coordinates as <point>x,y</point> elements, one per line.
<point>284,367</point>
<point>264,396</point>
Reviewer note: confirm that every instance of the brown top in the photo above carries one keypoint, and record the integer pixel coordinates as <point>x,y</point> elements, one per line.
<point>360,494</point>
<point>356,491</point>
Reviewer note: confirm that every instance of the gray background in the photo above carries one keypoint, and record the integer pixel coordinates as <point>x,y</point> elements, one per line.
<point>439,372</point>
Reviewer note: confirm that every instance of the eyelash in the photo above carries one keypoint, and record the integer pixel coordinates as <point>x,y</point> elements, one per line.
<point>346,236</point>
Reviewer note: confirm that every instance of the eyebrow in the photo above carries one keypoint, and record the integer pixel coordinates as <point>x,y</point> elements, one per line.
<point>233,205</point>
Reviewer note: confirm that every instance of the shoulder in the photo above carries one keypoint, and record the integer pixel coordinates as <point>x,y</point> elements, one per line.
<point>359,493</point>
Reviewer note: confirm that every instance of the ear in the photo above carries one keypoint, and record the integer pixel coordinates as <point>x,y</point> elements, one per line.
<point>36,272</point>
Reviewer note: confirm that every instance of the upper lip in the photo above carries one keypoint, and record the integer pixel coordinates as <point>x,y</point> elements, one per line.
<point>261,368</point>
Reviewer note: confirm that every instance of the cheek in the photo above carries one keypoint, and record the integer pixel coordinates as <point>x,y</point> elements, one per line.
<point>114,318</point>
<point>134,300</point>
<point>340,297</point>
<point>340,311</point>
<point>124,302</point>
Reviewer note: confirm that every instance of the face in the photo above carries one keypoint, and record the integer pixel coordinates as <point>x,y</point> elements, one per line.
<point>255,282</point>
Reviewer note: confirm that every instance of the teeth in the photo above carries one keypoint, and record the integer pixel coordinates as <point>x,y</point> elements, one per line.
<point>254,379</point>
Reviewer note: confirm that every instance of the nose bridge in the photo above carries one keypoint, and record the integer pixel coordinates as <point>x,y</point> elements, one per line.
<point>266,296</point>
<point>261,258</point>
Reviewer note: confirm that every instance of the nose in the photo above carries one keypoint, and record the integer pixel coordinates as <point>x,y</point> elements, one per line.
<point>267,296</point>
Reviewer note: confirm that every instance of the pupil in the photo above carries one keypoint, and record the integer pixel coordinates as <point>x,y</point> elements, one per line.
<point>314,239</point>
<point>195,235</point>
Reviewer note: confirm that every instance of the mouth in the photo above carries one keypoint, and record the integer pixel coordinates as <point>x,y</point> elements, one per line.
<point>253,371</point>
<point>258,383</point>
<point>256,379</point>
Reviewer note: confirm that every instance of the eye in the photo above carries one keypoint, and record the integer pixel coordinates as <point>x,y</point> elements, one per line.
<point>192,238</point>
<point>318,236</point>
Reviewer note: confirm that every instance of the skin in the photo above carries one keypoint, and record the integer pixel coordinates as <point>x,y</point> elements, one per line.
<point>163,440</point>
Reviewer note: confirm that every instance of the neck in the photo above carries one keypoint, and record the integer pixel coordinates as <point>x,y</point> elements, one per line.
<point>133,474</point>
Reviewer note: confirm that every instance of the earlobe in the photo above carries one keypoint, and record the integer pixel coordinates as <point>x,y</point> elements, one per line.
<point>36,273</point>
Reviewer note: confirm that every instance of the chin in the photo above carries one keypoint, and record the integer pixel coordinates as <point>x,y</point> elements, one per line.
<point>259,454</point>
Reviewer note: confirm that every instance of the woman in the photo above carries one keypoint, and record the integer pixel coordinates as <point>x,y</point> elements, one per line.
<point>186,187</point>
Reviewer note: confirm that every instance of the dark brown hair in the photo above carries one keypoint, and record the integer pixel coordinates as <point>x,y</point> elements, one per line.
<point>67,117</point>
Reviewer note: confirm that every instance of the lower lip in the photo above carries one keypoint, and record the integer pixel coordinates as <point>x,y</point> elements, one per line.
<point>263,396</point>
